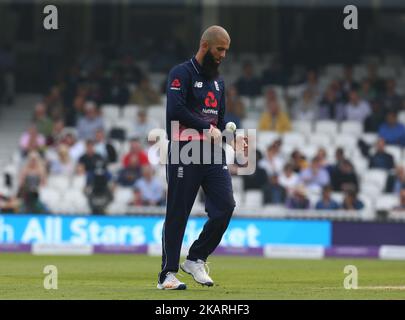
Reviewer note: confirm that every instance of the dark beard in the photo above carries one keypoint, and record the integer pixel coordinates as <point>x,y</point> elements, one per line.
<point>209,66</point>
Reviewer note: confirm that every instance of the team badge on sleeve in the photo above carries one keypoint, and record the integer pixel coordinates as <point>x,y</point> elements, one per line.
<point>176,84</point>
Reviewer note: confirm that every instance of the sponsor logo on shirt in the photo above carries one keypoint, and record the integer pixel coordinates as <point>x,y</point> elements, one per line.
<point>210,100</point>
<point>175,85</point>
<point>210,111</point>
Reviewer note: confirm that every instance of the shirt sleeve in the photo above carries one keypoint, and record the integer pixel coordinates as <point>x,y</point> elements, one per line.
<point>177,90</point>
<point>221,112</point>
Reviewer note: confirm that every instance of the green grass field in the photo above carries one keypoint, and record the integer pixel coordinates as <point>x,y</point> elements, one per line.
<point>134,277</point>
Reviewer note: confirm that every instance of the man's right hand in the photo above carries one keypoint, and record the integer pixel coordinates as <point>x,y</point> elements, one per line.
<point>214,134</point>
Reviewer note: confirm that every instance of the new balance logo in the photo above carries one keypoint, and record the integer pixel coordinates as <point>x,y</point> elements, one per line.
<point>216,85</point>
<point>180,172</point>
<point>198,84</point>
<point>225,167</point>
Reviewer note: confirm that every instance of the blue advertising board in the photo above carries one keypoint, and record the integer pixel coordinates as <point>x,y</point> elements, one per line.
<point>143,230</point>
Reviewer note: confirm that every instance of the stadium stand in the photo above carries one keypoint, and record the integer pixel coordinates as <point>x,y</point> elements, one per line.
<point>123,157</point>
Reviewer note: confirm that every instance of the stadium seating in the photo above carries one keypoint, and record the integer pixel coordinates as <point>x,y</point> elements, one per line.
<point>306,136</point>
<point>353,128</point>
<point>294,139</point>
<point>346,141</point>
<point>51,197</point>
<point>395,151</point>
<point>387,202</point>
<point>123,195</point>
<point>320,140</point>
<point>327,127</point>
<point>265,138</point>
<point>58,182</point>
<point>237,184</point>
<point>130,111</point>
<point>376,177</point>
<point>111,111</point>
<point>253,198</point>
<point>304,127</point>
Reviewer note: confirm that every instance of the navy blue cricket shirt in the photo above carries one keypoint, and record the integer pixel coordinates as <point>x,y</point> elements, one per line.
<point>193,100</point>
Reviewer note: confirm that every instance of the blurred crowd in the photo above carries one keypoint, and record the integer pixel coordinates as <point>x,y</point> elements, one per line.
<point>373,102</point>
<point>68,135</point>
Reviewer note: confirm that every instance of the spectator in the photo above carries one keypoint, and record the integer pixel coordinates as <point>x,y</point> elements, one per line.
<point>129,175</point>
<point>339,158</point>
<point>90,159</point>
<point>323,157</point>
<point>396,180</point>
<point>288,178</point>
<point>367,92</point>
<point>344,177</point>
<point>32,204</point>
<point>381,159</point>
<point>391,100</point>
<point>77,109</point>
<point>104,148</point>
<point>148,190</point>
<point>235,109</point>
<point>259,177</point>
<point>273,163</point>
<point>88,124</point>
<point>143,125</point>
<point>144,95</point>
<point>273,192</point>
<point>9,204</point>
<point>312,85</point>
<point>62,164</point>
<point>348,84</point>
<point>336,86</point>
<point>376,82</point>
<point>32,140</point>
<point>392,131</point>
<point>326,202</point>
<point>54,103</point>
<point>58,128</point>
<point>330,108</point>
<point>76,148</point>
<point>32,176</point>
<point>135,148</point>
<point>351,202</point>
<point>298,161</point>
<point>357,109</point>
<point>298,199</point>
<point>307,82</point>
<point>273,118</point>
<point>373,122</point>
<point>98,188</point>
<point>43,123</point>
<point>315,177</point>
<point>401,206</point>
<point>248,84</point>
<point>306,109</point>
